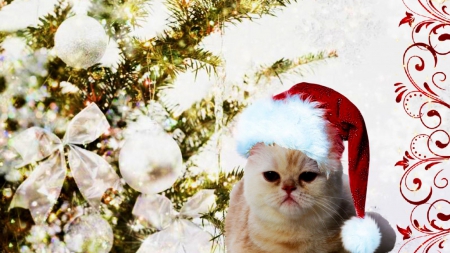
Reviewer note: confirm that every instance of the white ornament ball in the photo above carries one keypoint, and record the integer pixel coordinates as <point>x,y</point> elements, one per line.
<point>80,41</point>
<point>150,162</point>
<point>89,234</point>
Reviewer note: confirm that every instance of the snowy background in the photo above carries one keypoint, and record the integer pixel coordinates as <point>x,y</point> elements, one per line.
<point>368,41</point>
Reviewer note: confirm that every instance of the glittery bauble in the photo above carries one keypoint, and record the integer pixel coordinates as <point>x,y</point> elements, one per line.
<point>80,41</point>
<point>89,233</point>
<point>150,162</point>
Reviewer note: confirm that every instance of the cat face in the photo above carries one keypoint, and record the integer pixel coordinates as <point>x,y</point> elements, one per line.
<point>287,182</point>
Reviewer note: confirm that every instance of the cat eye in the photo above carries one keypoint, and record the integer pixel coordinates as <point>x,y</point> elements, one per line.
<point>307,177</point>
<point>271,176</point>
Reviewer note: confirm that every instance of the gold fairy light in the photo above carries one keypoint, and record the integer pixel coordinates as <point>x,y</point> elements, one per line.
<point>7,192</point>
<point>128,12</point>
<point>52,217</point>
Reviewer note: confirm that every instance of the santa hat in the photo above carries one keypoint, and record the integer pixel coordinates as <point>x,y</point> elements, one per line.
<point>316,120</point>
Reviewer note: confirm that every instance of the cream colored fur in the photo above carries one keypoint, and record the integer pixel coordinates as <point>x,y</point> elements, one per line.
<point>258,221</point>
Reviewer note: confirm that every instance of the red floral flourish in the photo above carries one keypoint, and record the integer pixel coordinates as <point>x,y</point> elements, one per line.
<point>428,100</point>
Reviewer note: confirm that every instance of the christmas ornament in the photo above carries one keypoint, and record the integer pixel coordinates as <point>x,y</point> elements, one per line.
<point>150,161</point>
<point>316,120</point>
<point>92,174</point>
<point>80,41</point>
<point>89,234</point>
<point>176,234</point>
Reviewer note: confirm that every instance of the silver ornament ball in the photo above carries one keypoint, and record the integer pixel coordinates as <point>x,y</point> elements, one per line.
<point>89,233</point>
<point>150,162</point>
<point>80,41</point>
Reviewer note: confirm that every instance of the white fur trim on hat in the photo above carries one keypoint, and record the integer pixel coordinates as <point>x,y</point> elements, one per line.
<point>361,235</point>
<point>290,123</point>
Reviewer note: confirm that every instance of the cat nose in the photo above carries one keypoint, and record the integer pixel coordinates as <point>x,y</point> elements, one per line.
<point>289,188</point>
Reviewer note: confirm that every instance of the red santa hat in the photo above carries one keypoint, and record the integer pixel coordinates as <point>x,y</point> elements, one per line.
<point>316,120</point>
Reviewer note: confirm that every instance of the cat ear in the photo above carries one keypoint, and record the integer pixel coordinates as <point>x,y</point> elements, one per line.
<point>256,148</point>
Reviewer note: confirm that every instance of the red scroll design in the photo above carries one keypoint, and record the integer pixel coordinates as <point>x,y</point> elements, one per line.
<point>426,97</point>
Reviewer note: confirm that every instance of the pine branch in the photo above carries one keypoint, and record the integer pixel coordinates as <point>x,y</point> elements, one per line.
<point>222,188</point>
<point>198,124</point>
<point>202,59</point>
<point>191,21</point>
<point>262,7</point>
<point>3,36</point>
<point>126,239</point>
<point>4,3</point>
<point>127,13</point>
<point>188,185</point>
<point>216,13</point>
<point>2,82</point>
<point>96,84</point>
<point>42,36</point>
<point>285,65</point>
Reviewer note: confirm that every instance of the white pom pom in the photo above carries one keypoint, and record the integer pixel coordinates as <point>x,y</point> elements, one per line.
<point>361,235</point>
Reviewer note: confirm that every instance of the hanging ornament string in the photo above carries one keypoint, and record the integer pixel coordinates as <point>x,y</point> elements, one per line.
<point>93,175</point>
<point>218,108</point>
<point>176,233</point>
<point>219,90</point>
<point>81,7</point>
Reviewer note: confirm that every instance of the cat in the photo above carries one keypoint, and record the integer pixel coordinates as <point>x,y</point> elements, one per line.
<point>285,203</point>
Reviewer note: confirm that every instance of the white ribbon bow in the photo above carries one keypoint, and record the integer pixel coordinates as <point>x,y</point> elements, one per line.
<point>93,175</point>
<point>176,235</point>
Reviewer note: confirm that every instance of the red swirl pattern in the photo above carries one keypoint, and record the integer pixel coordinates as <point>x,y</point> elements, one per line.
<point>426,97</point>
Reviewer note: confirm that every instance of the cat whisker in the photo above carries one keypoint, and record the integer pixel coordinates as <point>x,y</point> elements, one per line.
<point>337,198</point>
<point>329,206</point>
<point>329,210</point>
<point>336,204</point>
<point>331,197</point>
<point>319,218</point>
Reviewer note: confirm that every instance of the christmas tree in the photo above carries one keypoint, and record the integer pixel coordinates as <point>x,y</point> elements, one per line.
<point>101,134</point>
